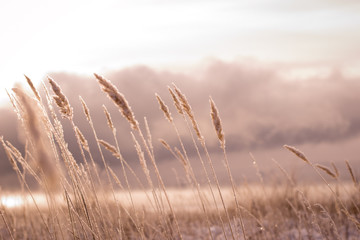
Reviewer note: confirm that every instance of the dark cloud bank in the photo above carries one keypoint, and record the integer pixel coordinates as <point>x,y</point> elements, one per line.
<point>260,111</point>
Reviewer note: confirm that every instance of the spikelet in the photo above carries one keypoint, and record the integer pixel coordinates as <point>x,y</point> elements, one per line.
<point>217,122</point>
<point>187,109</point>
<point>164,108</point>
<point>165,144</point>
<point>85,108</point>
<point>335,169</point>
<point>183,101</point>
<point>36,93</point>
<point>61,100</point>
<point>297,153</point>
<point>108,118</point>
<point>109,147</point>
<point>14,150</point>
<point>351,172</point>
<point>176,101</point>
<point>57,125</point>
<point>327,170</point>
<point>83,140</point>
<point>118,99</point>
<point>8,154</point>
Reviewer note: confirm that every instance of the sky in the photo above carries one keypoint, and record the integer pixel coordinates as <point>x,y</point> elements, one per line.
<point>260,112</point>
<point>39,37</point>
<point>281,72</point>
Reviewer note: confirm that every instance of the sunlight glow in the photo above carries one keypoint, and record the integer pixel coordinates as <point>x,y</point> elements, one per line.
<point>17,200</point>
<point>12,201</point>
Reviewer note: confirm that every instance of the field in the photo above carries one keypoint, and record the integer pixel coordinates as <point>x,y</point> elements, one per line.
<point>76,201</point>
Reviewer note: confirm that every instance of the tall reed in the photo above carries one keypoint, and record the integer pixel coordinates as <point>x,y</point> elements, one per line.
<point>90,208</point>
<point>127,113</point>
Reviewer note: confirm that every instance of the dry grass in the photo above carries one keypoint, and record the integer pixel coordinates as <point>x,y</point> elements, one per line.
<point>79,204</point>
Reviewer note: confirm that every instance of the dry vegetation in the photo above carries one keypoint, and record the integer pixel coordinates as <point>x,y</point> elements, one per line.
<point>80,204</point>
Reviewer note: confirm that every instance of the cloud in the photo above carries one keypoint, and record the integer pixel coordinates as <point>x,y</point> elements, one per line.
<point>260,108</point>
<point>270,109</point>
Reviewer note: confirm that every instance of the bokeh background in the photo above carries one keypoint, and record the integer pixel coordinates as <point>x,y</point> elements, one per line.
<point>280,73</point>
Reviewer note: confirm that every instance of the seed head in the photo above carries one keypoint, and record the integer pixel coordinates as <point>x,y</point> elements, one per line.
<point>118,99</point>
<point>297,152</point>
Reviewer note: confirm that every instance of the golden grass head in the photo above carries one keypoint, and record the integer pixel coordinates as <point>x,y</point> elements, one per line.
<point>108,118</point>
<point>110,148</point>
<point>335,169</point>
<point>61,100</point>
<point>164,108</point>
<point>176,101</point>
<point>297,152</point>
<point>183,101</point>
<point>85,108</point>
<point>217,122</point>
<point>327,171</point>
<point>118,99</point>
<point>351,173</point>
<point>82,139</point>
<point>165,144</point>
<point>185,106</point>
<point>8,154</point>
<point>36,93</point>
